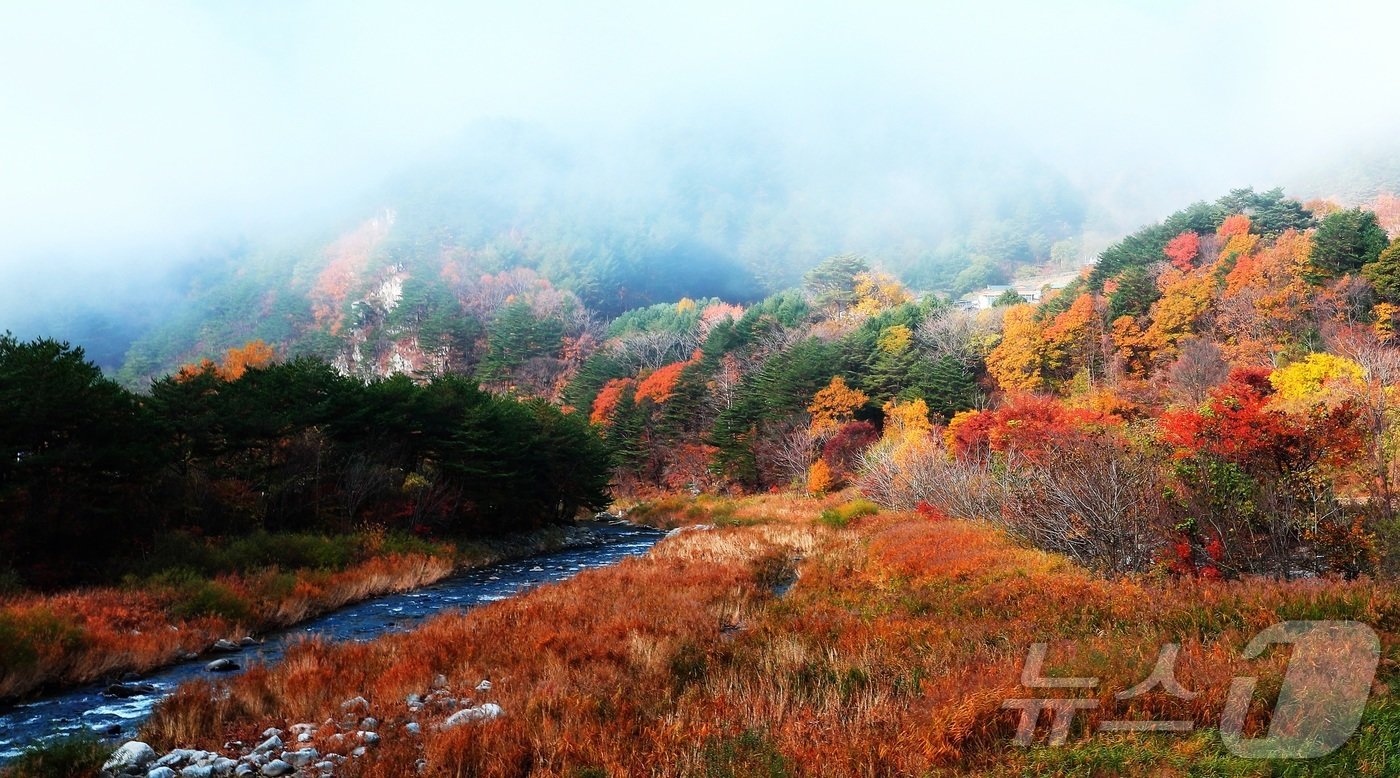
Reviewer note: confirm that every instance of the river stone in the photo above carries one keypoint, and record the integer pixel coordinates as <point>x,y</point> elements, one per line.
<point>484,686</point>
<point>132,753</point>
<point>244,770</point>
<point>226,646</point>
<point>355,703</point>
<point>124,690</point>
<point>173,758</point>
<point>197,771</point>
<point>301,758</point>
<point>369,723</point>
<point>161,772</point>
<point>273,743</point>
<point>271,731</point>
<point>276,768</point>
<point>413,728</point>
<point>483,712</point>
<point>249,641</point>
<point>221,666</point>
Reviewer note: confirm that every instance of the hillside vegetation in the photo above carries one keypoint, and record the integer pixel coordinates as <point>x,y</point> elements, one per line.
<point>413,276</point>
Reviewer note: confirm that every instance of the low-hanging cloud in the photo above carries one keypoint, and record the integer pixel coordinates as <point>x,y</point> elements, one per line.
<point>140,134</point>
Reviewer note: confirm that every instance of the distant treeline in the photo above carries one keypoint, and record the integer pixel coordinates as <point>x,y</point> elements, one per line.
<point>90,471</point>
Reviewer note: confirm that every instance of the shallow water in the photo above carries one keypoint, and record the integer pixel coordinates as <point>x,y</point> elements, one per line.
<point>87,708</point>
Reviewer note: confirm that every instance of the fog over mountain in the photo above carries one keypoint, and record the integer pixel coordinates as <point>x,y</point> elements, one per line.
<point>151,147</point>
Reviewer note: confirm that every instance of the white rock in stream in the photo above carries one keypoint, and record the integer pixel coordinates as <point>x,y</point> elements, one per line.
<point>133,753</point>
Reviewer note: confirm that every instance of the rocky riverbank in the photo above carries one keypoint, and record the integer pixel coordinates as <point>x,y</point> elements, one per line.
<point>308,748</point>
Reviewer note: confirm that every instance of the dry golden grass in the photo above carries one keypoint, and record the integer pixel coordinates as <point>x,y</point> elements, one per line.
<point>88,634</point>
<point>891,655</point>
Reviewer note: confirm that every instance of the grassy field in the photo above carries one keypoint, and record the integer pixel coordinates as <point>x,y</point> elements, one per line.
<point>190,593</point>
<point>891,654</point>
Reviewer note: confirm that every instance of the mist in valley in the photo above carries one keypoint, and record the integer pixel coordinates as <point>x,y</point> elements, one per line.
<point>154,152</point>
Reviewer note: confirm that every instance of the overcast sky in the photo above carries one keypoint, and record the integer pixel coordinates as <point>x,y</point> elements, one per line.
<point>130,127</point>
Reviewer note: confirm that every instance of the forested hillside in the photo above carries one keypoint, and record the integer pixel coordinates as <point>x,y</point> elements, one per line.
<point>1234,363</point>
<point>417,279</point>
<point>1215,395</point>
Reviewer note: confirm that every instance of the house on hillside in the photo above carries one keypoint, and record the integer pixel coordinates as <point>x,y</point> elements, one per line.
<point>987,297</point>
<point>1031,290</point>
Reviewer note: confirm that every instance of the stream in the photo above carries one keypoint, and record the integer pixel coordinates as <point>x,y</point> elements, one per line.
<point>87,707</point>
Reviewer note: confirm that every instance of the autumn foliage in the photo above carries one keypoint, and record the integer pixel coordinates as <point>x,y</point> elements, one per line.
<point>608,397</point>
<point>1183,249</point>
<point>1030,427</point>
<point>88,634</point>
<point>834,405</point>
<point>235,362</point>
<point>661,383</point>
<point>686,658</point>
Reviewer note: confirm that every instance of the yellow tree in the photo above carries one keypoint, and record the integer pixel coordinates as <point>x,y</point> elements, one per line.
<point>1386,315</point>
<point>834,405</point>
<point>1185,299</point>
<point>1131,346</point>
<point>1073,340</point>
<point>1017,361</point>
<point>819,478</point>
<point>895,339</point>
<point>906,421</point>
<point>1265,300</point>
<point>1320,379</point>
<point>876,292</point>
